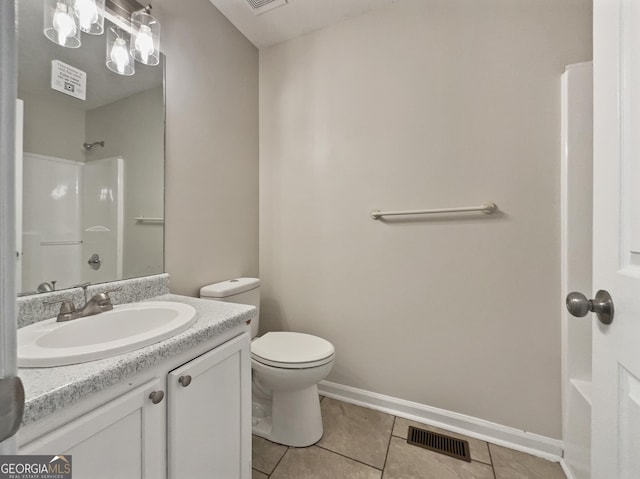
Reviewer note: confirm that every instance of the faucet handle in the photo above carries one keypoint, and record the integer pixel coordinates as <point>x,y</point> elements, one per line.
<point>67,305</point>
<point>66,309</point>
<point>114,290</point>
<point>104,298</point>
<point>45,287</point>
<point>84,287</point>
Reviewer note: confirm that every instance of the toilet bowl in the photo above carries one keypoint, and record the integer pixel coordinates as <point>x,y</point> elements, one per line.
<point>286,369</point>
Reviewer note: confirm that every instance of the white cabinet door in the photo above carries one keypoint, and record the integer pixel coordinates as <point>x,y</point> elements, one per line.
<point>209,414</point>
<point>125,438</point>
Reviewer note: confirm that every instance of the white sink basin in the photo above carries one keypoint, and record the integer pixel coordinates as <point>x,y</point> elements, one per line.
<point>126,328</point>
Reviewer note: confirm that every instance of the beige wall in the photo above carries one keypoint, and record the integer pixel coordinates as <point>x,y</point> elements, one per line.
<point>134,129</point>
<point>52,128</point>
<point>426,103</point>
<point>211,146</point>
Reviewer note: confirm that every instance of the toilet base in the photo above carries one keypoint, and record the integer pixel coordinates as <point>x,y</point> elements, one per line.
<point>295,418</point>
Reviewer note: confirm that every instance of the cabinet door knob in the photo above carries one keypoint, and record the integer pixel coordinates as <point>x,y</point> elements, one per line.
<point>185,380</point>
<point>156,396</point>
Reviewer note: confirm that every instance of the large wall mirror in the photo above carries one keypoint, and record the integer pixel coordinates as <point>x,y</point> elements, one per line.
<point>90,176</point>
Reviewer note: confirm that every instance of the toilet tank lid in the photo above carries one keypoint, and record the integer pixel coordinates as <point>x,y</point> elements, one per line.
<point>229,287</point>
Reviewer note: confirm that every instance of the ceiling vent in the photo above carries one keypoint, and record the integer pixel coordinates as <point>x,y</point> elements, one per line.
<point>259,7</point>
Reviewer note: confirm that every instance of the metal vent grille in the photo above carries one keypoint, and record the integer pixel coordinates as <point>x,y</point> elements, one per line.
<point>259,3</point>
<point>262,6</point>
<point>433,441</point>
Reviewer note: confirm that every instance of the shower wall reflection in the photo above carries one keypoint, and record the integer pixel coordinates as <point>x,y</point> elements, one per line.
<point>71,211</point>
<point>80,202</point>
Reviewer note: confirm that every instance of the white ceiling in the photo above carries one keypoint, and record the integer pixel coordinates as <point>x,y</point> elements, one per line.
<point>295,18</point>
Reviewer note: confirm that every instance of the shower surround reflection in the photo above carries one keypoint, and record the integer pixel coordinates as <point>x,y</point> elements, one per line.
<point>72,211</point>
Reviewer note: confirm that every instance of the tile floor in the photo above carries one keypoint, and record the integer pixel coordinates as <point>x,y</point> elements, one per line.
<point>360,443</point>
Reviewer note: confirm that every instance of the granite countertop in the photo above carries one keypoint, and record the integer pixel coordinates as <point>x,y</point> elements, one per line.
<point>50,389</point>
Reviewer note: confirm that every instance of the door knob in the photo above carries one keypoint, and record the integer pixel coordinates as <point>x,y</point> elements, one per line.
<point>578,305</point>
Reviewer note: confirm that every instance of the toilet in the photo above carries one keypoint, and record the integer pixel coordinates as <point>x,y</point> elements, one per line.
<point>286,368</point>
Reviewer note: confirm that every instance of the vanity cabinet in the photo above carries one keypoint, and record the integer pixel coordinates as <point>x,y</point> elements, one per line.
<point>124,438</point>
<point>208,398</point>
<point>189,417</point>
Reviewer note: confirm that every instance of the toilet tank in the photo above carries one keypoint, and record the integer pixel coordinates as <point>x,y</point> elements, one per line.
<point>239,290</point>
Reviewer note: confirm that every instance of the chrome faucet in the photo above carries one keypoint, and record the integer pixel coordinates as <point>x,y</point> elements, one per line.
<point>99,303</point>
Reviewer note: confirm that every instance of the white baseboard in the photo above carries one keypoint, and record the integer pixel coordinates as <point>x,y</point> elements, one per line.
<point>567,471</point>
<point>535,444</point>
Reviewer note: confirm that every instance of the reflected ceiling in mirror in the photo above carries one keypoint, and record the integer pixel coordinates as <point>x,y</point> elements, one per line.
<point>89,167</point>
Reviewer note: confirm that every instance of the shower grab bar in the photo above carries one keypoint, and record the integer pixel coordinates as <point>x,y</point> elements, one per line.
<point>143,219</point>
<point>487,208</point>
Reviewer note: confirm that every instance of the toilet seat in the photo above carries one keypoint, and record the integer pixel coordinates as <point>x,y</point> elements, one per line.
<point>276,364</point>
<point>288,350</point>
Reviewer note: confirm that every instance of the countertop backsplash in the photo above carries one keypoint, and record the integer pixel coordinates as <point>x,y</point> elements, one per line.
<point>32,309</point>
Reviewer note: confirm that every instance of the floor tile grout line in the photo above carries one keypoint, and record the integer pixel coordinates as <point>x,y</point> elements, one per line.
<point>260,470</point>
<point>347,457</point>
<point>493,468</point>
<point>268,474</point>
<point>278,463</point>
<point>254,469</point>
<point>386,456</point>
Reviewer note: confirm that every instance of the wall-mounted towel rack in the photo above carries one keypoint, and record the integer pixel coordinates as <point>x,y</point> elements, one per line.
<point>487,208</point>
<point>150,221</point>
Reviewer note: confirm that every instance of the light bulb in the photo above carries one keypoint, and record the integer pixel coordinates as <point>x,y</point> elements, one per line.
<point>87,12</point>
<point>120,55</point>
<point>63,23</point>
<point>144,43</point>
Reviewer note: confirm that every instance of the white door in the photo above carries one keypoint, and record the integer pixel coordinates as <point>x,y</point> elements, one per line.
<point>616,239</point>
<point>9,388</point>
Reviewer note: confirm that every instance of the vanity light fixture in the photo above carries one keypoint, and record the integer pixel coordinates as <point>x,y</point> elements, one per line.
<point>135,35</point>
<point>61,23</point>
<point>119,59</point>
<point>146,37</point>
<point>90,15</point>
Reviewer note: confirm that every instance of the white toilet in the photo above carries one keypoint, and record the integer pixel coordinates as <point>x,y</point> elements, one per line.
<point>286,369</point>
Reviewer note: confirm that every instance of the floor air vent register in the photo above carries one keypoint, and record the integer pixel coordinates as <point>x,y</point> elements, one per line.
<point>440,443</point>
